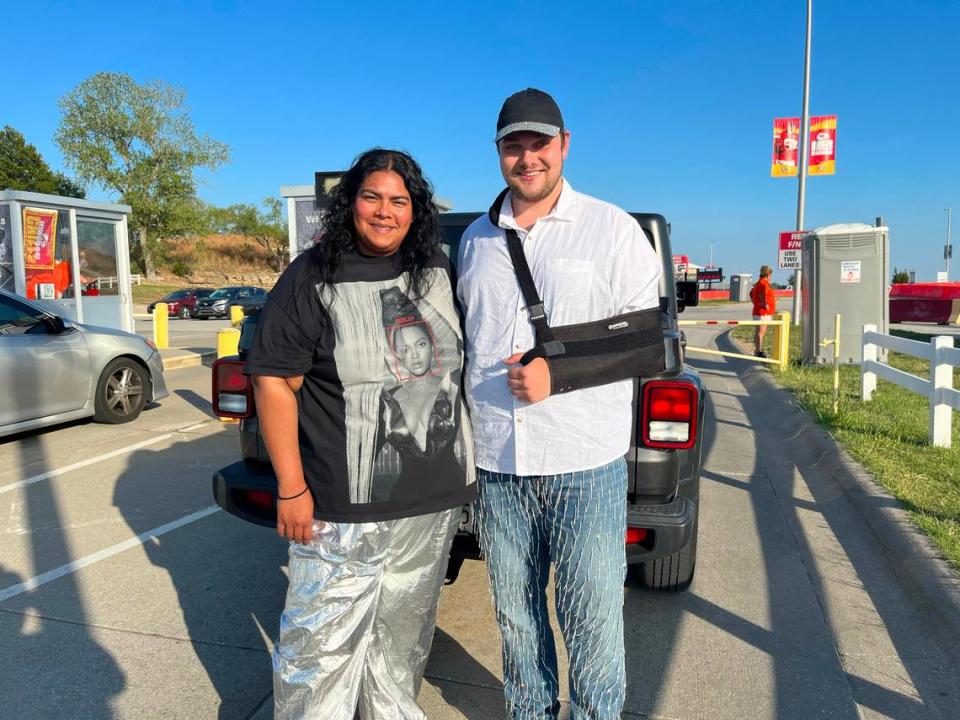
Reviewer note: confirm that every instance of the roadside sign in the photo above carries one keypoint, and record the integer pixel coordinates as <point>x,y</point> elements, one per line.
<point>710,275</point>
<point>680,264</point>
<point>941,276</point>
<point>791,244</point>
<point>849,271</point>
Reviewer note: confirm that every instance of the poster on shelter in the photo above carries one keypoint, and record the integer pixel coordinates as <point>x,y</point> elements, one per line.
<point>786,147</point>
<point>309,216</point>
<point>6,249</point>
<point>823,145</point>
<point>39,238</point>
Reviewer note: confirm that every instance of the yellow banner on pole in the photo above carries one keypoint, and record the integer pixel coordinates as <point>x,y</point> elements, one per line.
<point>823,145</point>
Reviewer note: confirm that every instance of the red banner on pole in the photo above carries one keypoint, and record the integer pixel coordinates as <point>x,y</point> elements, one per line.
<point>786,147</point>
<point>823,145</point>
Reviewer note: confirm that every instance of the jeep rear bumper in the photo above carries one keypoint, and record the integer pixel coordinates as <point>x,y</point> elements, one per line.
<point>671,524</point>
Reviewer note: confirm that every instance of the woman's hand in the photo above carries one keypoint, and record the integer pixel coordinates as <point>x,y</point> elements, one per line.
<point>295,518</point>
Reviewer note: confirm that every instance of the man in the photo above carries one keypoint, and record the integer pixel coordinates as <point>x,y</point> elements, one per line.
<point>764,305</point>
<point>550,466</point>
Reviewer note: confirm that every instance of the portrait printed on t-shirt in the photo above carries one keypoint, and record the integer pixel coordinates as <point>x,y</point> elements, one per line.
<point>420,400</point>
<point>400,364</point>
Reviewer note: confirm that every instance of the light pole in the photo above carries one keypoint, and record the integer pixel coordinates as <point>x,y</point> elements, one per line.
<point>804,140</point>
<point>948,248</point>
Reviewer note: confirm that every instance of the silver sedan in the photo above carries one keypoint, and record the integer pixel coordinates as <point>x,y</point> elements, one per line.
<point>54,370</point>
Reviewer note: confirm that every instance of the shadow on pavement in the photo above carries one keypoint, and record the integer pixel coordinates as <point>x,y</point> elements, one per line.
<point>828,532</point>
<point>449,660</point>
<point>197,400</point>
<point>54,667</point>
<point>227,574</point>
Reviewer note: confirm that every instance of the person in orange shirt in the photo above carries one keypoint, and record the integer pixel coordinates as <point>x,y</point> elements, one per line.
<point>764,305</point>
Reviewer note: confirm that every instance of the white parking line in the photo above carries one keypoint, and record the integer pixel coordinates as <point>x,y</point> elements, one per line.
<point>96,459</point>
<point>72,567</point>
<point>84,463</point>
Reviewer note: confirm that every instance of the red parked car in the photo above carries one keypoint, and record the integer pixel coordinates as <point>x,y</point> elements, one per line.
<point>182,303</point>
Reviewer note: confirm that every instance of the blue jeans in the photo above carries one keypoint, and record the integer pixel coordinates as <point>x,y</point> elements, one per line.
<point>577,521</point>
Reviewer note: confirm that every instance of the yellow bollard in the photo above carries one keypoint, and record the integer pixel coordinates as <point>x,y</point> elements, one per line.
<point>781,339</point>
<point>777,344</point>
<point>161,326</point>
<point>228,342</point>
<point>236,316</point>
<point>836,360</point>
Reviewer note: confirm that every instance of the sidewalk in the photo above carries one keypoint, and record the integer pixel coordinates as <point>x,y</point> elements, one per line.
<point>176,358</point>
<point>815,596</point>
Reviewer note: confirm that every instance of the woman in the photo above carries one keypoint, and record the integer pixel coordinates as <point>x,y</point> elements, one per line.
<point>368,550</point>
<point>764,305</point>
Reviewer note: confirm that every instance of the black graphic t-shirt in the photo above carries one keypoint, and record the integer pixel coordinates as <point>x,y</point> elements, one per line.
<point>383,426</point>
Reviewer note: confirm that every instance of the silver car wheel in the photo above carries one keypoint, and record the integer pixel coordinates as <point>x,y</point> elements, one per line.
<point>121,392</point>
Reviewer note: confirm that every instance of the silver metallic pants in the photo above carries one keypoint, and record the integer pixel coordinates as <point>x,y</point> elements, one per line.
<point>359,619</point>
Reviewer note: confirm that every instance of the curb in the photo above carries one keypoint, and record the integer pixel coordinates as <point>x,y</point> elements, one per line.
<point>188,360</point>
<point>917,562</point>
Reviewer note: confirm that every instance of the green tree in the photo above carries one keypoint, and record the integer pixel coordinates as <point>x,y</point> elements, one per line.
<point>22,167</point>
<point>138,141</point>
<point>900,276</point>
<point>266,227</point>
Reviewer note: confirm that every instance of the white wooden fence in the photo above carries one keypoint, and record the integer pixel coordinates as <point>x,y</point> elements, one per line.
<point>938,389</point>
<point>109,282</point>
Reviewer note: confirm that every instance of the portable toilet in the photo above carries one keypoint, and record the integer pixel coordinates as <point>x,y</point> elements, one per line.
<point>740,285</point>
<point>846,268</point>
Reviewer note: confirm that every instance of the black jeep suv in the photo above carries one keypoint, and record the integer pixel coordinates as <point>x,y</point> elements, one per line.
<point>663,497</point>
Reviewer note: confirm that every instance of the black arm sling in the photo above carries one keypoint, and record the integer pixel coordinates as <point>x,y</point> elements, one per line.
<point>592,353</point>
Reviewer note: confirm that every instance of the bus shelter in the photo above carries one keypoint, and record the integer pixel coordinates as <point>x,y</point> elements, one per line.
<point>70,254</point>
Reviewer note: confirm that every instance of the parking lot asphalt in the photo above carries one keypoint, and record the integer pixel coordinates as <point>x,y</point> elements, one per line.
<point>124,593</point>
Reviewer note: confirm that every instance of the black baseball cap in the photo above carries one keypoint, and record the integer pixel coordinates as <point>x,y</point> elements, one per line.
<point>529,110</point>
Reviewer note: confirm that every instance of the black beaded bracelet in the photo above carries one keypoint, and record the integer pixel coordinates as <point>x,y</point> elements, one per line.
<point>292,497</point>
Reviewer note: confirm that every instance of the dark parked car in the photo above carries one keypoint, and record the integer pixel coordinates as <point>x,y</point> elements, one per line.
<point>53,370</point>
<point>181,303</point>
<point>663,498</point>
<point>218,303</point>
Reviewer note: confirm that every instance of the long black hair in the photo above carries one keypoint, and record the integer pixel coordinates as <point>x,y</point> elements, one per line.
<point>339,233</point>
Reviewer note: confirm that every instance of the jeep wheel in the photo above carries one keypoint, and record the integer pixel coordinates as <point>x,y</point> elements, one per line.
<point>121,392</point>
<point>184,312</point>
<point>673,573</point>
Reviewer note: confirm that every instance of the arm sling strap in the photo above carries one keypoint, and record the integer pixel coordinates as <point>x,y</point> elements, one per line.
<point>592,353</point>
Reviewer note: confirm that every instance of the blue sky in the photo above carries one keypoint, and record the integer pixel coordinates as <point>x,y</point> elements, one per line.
<point>670,104</point>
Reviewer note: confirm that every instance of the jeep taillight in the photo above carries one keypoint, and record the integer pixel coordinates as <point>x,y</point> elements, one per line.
<point>232,390</point>
<point>636,535</point>
<point>669,414</point>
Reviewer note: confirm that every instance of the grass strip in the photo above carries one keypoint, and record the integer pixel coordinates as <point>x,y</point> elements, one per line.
<point>148,292</point>
<point>887,435</point>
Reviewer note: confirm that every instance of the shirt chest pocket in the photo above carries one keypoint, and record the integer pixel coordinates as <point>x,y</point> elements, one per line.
<point>567,283</point>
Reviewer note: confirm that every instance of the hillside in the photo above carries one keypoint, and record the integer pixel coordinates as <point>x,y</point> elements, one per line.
<point>209,261</point>
<point>217,260</point>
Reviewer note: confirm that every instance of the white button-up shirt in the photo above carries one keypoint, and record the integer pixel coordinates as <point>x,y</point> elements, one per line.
<point>589,260</point>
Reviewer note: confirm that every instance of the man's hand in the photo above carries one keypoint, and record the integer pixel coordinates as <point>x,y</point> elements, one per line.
<point>295,518</point>
<point>530,383</point>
